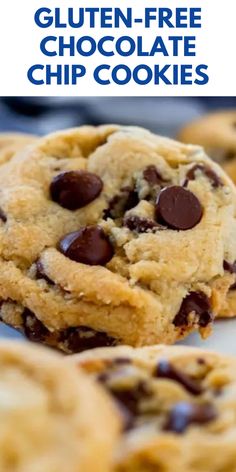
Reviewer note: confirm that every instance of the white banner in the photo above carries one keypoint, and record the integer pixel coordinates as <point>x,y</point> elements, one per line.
<point>125,48</point>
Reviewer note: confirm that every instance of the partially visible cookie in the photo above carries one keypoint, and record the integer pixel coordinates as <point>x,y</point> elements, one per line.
<point>113,235</point>
<point>178,406</point>
<point>216,132</point>
<point>52,418</point>
<point>10,143</point>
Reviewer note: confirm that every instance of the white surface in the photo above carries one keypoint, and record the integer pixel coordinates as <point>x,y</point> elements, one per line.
<point>223,338</point>
<point>20,48</point>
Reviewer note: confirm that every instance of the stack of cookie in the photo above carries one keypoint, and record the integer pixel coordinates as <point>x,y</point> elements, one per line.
<point>113,236</point>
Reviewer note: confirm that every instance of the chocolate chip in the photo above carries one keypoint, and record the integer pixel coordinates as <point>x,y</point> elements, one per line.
<point>130,398</point>
<point>201,361</point>
<point>166,370</point>
<point>33,328</point>
<point>178,208</point>
<point>197,303</point>
<point>153,176</point>
<point>126,200</point>
<point>132,200</point>
<point>209,173</point>
<point>89,245</point>
<point>127,417</point>
<point>139,224</point>
<point>82,338</point>
<point>3,216</point>
<point>103,377</point>
<point>230,155</point>
<point>230,267</point>
<point>121,361</point>
<point>75,189</point>
<point>184,414</point>
<point>40,272</point>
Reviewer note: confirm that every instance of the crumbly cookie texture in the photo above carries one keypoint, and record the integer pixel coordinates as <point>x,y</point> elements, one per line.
<point>10,143</point>
<point>113,235</point>
<point>52,418</point>
<point>216,132</point>
<point>178,406</point>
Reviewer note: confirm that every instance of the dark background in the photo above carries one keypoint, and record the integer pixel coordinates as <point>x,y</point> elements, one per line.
<point>162,115</point>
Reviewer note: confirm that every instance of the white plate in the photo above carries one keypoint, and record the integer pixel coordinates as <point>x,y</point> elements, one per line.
<point>223,338</point>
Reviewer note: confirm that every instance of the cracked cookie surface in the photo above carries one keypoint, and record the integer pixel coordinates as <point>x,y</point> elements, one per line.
<point>113,235</point>
<point>177,403</point>
<point>49,412</point>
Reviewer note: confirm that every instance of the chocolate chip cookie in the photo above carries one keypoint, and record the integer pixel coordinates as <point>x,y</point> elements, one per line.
<point>50,414</point>
<point>216,132</point>
<point>178,406</point>
<point>113,235</point>
<point>10,143</point>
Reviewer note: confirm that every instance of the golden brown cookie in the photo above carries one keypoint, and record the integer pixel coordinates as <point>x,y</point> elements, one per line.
<point>52,418</point>
<point>216,132</point>
<point>113,235</point>
<point>10,143</point>
<point>178,406</point>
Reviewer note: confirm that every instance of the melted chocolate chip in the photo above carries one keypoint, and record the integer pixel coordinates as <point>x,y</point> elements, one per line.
<point>230,267</point>
<point>198,303</point>
<point>3,216</point>
<point>126,200</point>
<point>153,176</point>
<point>209,173</point>
<point>130,398</point>
<point>139,224</point>
<point>75,189</point>
<point>89,245</point>
<point>177,208</point>
<point>184,414</point>
<point>82,338</point>
<point>40,272</point>
<point>33,328</point>
<point>167,371</point>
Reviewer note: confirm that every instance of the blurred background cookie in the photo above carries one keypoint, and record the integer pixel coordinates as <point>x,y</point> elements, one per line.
<point>52,418</point>
<point>10,143</point>
<point>216,132</point>
<point>178,406</point>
